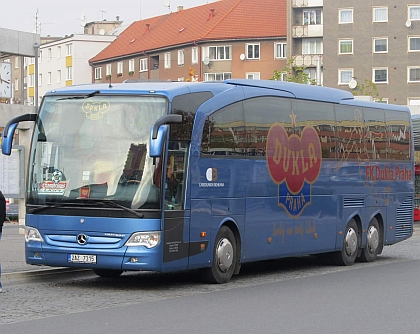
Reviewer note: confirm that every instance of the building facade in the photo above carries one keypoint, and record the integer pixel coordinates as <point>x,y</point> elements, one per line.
<point>217,41</point>
<point>377,41</point>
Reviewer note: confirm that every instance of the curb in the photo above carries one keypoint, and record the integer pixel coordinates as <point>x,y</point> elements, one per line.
<point>44,274</point>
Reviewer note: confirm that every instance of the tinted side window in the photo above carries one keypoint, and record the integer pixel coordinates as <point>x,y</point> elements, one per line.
<point>350,133</point>
<point>375,134</point>
<point>224,132</point>
<point>186,105</point>
<point>399,134</point>
<point>260,113</point>
<point>321,117</point>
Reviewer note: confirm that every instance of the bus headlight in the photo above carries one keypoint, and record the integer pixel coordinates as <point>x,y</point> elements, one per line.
<point>32,234</point>
<point>146,239</point>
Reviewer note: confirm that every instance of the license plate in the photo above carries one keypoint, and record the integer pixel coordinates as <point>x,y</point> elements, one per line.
<point>81,258</point>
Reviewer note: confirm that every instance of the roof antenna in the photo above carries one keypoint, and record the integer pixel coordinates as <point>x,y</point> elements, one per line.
<point>167,3</point>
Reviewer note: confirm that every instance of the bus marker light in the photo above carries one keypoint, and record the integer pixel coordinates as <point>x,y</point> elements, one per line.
<point>340,233</point>
<point>390,228</point>
<point>315,235</point>
<point>202,247</point>
<point>269,240</point>
<point>203,234</point>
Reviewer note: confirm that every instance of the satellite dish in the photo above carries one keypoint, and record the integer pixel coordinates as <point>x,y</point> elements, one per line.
<point>408,24</point>
<point>166,3</point>
<point>242,56</point>
<point>352,84</point>
<point>102,32</point>
<point>206,61</point>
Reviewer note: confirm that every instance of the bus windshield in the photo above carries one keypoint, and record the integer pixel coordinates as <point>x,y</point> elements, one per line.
<point>94,150</point>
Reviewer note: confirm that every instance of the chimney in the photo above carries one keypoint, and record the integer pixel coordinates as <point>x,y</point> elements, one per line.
<point>180,8</point>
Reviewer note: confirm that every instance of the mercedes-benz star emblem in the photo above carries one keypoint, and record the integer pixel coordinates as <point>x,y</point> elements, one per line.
<point>82,239</point>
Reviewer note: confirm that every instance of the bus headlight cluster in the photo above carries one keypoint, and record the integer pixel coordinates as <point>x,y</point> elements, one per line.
<point>146,239</point>
<point>32,234</point>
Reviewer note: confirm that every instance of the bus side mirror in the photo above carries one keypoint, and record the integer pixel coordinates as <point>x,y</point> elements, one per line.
<point>159,131</point>
<point>156,145</point>
<point>9,131</point>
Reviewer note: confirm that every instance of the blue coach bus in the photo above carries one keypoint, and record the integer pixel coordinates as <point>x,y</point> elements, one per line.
<point>166,176</point>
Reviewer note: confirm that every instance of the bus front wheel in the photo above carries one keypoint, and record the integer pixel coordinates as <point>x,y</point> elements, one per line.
<point>351,244</point>
<point>107,272</point>
<point>373,242</point>
<point>224,258</point>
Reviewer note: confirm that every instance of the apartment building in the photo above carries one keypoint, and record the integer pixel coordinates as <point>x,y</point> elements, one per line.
<point>377,40</point>
<point>305,36</point>
<point>217,41</point>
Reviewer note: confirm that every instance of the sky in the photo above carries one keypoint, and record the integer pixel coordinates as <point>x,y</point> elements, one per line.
<point>56,20</point>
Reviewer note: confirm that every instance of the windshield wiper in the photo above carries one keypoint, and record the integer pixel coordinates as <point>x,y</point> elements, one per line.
<point>86,201</point>
<point>113,204</point>
<point>80,97</point>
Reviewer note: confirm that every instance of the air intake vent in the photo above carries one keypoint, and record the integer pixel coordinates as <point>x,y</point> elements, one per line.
<point>353,202</point>
<point>404,219</point>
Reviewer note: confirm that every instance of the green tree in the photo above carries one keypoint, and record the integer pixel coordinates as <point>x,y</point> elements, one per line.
<point>368,88</point>
<point>294,73</point>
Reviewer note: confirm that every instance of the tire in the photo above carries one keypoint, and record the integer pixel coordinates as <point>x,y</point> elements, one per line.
<point>107,272</point>
<point>351,245</point>
<point>373,242</point>
<point>224,258</point>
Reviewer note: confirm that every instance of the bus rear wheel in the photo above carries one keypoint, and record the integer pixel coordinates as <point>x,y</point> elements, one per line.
<point>224,258</point>
<point>107,272</point>
<point>351,244</point>
<point>373,242</point>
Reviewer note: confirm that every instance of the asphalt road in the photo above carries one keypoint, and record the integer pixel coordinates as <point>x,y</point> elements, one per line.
<point>295,295</point>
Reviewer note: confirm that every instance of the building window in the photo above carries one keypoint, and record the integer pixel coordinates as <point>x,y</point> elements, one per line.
<point>380,45</point>
<point>16,84</point>
<point>345,16</point>
<point>49,78</point>
<point>380,75</point>
<point>280,50</point>
<point>143,65</point>
<point>49,52</point>
<point>312,16</point>
<point>131,65</point>
<point>167,60</point>
<point>108,69</point>
<point>69,50</point>
<point>312,46</point>
<point>413,74</point>
<point>180,57</point>
<point>58,52</point>
<point>253,75</point>
<point>220,52</point>
<point>40,57</point>
<point>253,51</point>
<point>16,62</point>
<point>69,73</point>
<point>120,68</point>
<point>345,46</point>
<point>40,79</point>
<point>345,76</point>
<point>31,80</point>
<point>414,13</point>
<point>217,76</point>
<point>380,14</point>
<point>58,76</point>
<point>98,73</point>
<point>413,43</point>
<point>413,101</point>
<point>194,55</point>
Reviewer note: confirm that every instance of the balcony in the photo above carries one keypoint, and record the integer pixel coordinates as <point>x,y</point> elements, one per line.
<point>307,3</point>
<point>311,30</point>
<point>307,60</point>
